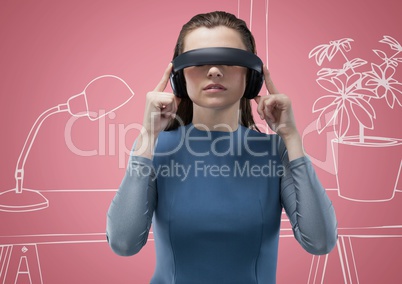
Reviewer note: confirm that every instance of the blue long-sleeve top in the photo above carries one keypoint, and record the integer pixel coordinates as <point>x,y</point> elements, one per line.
<point>215,200</point>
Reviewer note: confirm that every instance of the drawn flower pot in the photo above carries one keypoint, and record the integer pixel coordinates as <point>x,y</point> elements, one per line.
<point>369,170</point>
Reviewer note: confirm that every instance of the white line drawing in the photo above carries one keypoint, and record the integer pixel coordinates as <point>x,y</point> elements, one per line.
<point>350,94</point>
<point>328,163</point>
<point>24,270</point>
<point>317,269</point>
<point>17,263</point>
<point>19,258</point>
<point>21,199</point>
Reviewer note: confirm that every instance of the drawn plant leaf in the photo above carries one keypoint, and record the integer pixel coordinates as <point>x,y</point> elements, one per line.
<point>345,44</point>
<point>390,98</point>
<point>395,89</point>
<point>324,102</point>
<point>389,72</point>
<point>366,92</point>
<point>393,43</point>
<point>326,72</point>
<point>333,85</point>
<point>354,63</point>
<point>343,121</point>
<point>353,81</point>
<point>332,50</point>
<point>319,52</point>
<point>380,54</point>
<point>362,114</point>
<point>328,85</point>
<point>332,108</point>
<point>339,84</point>
<point>367,107</point>
<point>377,70</point>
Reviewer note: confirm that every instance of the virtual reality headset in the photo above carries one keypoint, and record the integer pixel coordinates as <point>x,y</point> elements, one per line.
<point>218,56</point>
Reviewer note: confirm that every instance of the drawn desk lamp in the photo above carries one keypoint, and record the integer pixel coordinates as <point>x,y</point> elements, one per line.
<point>107,93</point>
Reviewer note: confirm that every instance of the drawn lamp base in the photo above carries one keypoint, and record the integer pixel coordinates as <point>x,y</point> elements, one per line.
<point>26,200</point>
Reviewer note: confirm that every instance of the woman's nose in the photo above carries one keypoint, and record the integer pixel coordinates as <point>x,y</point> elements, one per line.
<point>214,71</point>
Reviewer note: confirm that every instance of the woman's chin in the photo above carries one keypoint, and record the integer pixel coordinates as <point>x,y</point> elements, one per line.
<point>217,100</point>
<point>217,104</point>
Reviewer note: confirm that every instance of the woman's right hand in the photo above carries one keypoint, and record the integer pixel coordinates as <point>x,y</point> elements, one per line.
<point>160,106</point>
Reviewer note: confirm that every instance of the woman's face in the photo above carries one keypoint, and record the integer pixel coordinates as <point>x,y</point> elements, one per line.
<point>214,86</point>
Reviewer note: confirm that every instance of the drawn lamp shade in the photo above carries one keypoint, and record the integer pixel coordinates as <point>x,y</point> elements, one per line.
<point>106,93</point>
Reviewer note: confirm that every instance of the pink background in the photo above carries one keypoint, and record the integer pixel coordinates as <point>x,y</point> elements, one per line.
<point>51,50</point>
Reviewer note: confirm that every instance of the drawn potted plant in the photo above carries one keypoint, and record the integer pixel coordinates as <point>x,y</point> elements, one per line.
<point>367,167</point>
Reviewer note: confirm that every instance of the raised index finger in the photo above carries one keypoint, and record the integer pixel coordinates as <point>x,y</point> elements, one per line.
<point>268,81</point>
<point>165,79</point>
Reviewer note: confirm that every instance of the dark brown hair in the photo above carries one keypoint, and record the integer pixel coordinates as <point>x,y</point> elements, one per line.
<point>210,20</point>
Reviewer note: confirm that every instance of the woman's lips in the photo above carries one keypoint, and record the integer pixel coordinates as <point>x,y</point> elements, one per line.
<point>214,88</point>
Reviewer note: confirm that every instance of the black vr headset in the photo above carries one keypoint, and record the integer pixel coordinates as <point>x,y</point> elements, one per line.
<point>218,56</point>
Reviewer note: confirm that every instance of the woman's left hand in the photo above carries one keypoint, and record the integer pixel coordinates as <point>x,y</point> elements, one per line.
<point>276,109</point>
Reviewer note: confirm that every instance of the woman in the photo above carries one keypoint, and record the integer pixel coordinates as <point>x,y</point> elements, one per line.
<point>213,186</point>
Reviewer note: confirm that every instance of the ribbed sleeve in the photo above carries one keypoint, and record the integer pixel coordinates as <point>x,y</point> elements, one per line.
<point>130,214</point>
<point>307,205</point>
